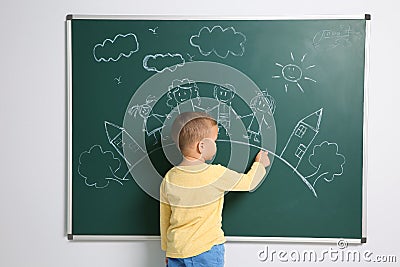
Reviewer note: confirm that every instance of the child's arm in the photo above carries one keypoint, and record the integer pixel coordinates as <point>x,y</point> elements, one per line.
<point>261,159</point>
<point>165,214</point>
<point>234,181</point>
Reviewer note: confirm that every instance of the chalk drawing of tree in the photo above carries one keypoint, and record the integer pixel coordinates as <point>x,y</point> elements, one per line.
<point>328,162</point>
<point>98,167</point>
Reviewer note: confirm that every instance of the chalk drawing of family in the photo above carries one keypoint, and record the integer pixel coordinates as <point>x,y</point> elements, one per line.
<point>187,91</point>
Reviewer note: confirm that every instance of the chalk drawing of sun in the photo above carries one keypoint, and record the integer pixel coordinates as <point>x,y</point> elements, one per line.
<point>292,73</point>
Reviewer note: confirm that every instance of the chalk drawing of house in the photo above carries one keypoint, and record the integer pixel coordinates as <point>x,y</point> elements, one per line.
<point>301,138</point>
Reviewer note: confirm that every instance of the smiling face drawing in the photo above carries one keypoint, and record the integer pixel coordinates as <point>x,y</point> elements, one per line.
<point>183,94</point>
<point>292,73</point>
<point>223,94</point>
<point>145,111</point>
<point>261,105</point>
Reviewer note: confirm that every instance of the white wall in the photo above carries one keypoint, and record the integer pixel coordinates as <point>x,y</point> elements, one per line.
<point>33,131</point>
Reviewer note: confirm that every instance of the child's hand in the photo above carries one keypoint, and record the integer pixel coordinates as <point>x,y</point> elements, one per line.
<point>262,157</point>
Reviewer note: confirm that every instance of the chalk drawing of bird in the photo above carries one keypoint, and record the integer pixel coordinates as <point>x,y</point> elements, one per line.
<point>190,57</point>
<point>118,80</point>
<point>154,31</point>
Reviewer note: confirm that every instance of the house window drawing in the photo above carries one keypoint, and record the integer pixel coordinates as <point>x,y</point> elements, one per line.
<point>300,151</point>
<point>300,131</point>
<point>301,138</point>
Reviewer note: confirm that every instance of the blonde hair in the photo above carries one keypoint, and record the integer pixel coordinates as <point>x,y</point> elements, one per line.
<point>191,127</point>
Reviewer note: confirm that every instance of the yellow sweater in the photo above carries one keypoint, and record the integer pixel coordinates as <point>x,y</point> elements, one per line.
<point>191,202</point>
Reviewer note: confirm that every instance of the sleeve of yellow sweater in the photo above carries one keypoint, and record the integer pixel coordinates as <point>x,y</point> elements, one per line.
<point>230,180</point>
<point>165,214</point>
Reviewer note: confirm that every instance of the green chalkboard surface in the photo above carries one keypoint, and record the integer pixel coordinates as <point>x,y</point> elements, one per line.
<point>294,87</point>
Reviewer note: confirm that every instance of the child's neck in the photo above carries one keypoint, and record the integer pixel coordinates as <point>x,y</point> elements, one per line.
<point>192,160</point>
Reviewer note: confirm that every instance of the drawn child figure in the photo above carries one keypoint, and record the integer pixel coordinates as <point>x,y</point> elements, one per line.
<point>181,91</point>
<point>263,106</point>
<point>152,123</point>
<point>192,194</point>
<point>224,94</point>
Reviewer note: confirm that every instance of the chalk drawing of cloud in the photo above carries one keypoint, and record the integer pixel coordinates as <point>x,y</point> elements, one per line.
<point>122,45</point>
<point>220,41</point>
<point>162,62</point>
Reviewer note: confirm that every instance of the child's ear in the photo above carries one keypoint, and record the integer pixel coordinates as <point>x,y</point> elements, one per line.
<point>201,147</point>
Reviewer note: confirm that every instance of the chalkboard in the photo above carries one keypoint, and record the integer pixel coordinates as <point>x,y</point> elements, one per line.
<point>294,87</point>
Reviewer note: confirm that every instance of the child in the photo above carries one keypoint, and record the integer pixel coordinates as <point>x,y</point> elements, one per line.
<point>192,194</point>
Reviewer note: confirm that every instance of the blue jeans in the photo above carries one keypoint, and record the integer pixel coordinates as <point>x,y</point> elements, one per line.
<point>211,258</point>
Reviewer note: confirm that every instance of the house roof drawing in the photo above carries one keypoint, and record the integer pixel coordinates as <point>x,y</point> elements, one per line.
<point>313,120</point>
